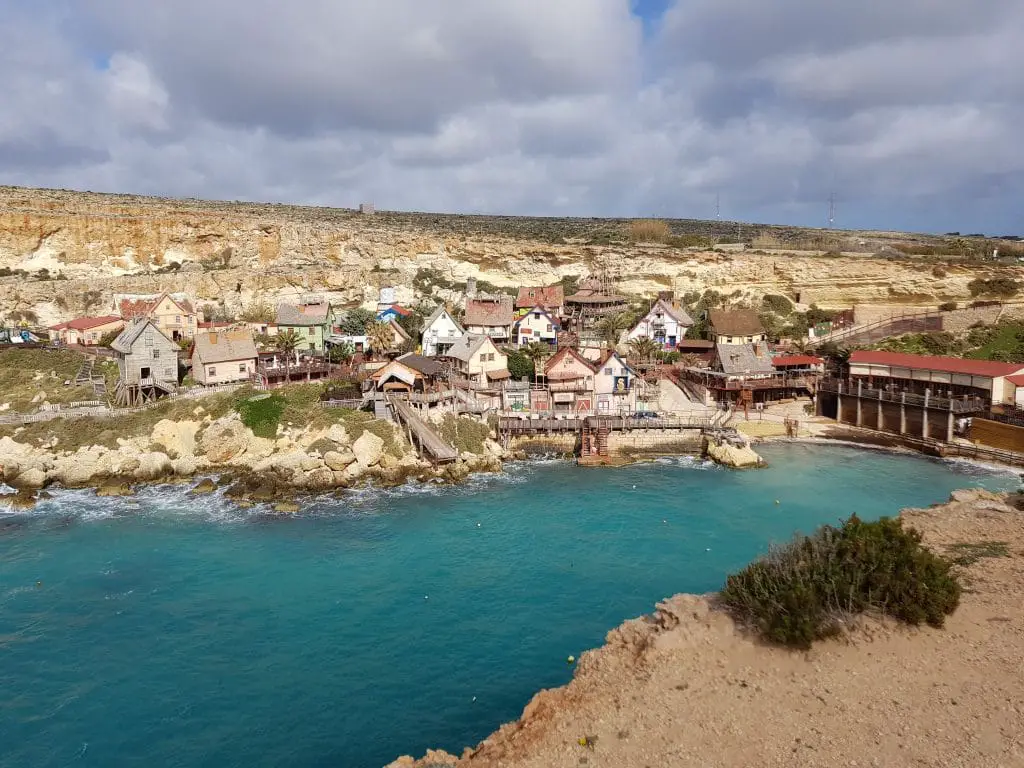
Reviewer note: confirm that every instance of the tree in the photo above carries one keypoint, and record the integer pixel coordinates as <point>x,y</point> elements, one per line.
<point>341,353</point>
<point>802,345</point>
<point>536,352</point>
<point>610,328</point>
<point>287,341</point>
<point>643,348</point>
<point>379,336</point>
<point>355,322</point>
<point>258,312</point>
<point>690,360</point>
<point>519,365</point>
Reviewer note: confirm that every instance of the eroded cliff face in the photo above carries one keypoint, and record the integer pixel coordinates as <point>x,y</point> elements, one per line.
<point>241,254</point>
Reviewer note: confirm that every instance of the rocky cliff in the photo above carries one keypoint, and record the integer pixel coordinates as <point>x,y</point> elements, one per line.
<point>243,254</point>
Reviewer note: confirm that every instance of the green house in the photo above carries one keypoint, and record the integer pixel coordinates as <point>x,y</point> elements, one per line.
<point>311,320</point>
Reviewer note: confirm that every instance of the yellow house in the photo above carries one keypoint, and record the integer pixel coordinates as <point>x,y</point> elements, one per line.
<point>172,314</point>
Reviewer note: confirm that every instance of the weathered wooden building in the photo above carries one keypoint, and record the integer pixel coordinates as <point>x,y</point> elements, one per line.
<point>147,363</point>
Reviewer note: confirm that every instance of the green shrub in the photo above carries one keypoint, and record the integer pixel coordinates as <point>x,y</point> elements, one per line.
<point>801,592</point>
<point>261,414</point>
<point>778,304</point>
<point>996,286</point>
<point>464,434</point>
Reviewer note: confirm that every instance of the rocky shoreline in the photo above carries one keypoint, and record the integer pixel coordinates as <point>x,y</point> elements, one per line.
<point>254,469</point>
<point>686,687</point>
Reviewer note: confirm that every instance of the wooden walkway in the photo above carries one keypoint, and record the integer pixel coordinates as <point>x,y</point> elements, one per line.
<point>429,441</point>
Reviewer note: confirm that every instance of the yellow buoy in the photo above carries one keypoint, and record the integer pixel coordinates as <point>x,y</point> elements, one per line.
<point>571,660</point>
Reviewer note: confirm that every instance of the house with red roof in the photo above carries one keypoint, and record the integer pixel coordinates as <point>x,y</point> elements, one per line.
<point>570,381</point>
<point>86,331</point>
<point>941,377</point>
<point>491,316</point>
<point>549,297</point>
<point>174,314</point>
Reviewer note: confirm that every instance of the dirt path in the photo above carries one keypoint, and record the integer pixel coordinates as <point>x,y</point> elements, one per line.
<point>685,688</point>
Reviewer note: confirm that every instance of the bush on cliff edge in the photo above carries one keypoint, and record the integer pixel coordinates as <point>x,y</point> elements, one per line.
<point>801,592</point>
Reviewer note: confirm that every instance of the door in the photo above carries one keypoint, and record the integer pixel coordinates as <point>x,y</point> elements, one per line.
<point>145,373</point>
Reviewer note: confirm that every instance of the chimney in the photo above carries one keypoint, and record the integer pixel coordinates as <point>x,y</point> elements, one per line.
<point>470,287</point>
<point>213,337</point>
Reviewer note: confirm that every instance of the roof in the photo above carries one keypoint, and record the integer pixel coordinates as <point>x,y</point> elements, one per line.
<point>702,344</point>
<point>744,358</point>
<point>538,309</point>
<point>677,313</point>
<point>215,324</point>
<point>127,338</point>
<point>303,314</point>
<point>85,323</point>
<point>399,329</point>
<point>425,365</point>
<point>1017,381</point>
<point>594,296</point>
<point>562,353</point>
<point>550,296</point>
<point>490,311</point>
<point>139,306</point>
<point>783,360</point>
<point>224,346</point>
<point>465,347</point>
<point>735,322</point>
<point>399,370</point>
<point>398,309</point>
<point>987,368</point>
<point>607,355</point>
<point>501,373</point>
<point>436,314</point>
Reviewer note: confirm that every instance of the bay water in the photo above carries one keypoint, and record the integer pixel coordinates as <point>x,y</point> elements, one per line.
<point>170,630</point>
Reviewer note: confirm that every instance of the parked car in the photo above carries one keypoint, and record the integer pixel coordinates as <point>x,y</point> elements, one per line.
<point>646,415</point>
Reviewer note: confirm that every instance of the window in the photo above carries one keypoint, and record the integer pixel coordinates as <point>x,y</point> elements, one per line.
<point>177,319</point>
<point>549,328</point>
<point>536,315</point>
<point>607,371</point>
<point>309,331</point>
<point>156,354</point>
<point>241,367</point>
<point>211,371</point>
<point>149,338</point>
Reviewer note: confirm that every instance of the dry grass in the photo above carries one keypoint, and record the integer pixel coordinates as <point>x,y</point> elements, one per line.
<point>25,373</point>
<point>649,231</point>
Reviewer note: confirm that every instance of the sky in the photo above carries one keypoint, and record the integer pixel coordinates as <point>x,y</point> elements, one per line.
<point>911,113</point>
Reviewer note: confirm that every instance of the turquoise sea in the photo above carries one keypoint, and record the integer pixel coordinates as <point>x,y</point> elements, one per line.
<point>169,631</point>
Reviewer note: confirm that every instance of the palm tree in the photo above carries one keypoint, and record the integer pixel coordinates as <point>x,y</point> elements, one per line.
<point>536,351</point>
<point>644,348</point>
<point>690,360</point>
<point>380,337</point>
<point>286,342</point>
<point>610,328</point>
<point>802,346</point>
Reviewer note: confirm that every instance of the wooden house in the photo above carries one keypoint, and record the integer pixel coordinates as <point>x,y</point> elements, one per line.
<point>311,319</point>
<point>86,331</point>
<point>491,316</point>
<point>174,314</point>
<point>736,326</point>
<point>224,357</point>
<point>475,359</point>
<point>147,363</point>
<point>615,385</point>
<point>666,323</point>
<point>537,325</point>
<point>570,381</point>
<point>549,297</point>
<point>440,332</point>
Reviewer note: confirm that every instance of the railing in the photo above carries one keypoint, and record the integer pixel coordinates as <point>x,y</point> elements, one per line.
<point>723,381</point>
<point>965,405</point>
<point>354,403</point>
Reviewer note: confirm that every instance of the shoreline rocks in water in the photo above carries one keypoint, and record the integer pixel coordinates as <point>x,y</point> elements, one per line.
<point>299,459</point>
<point>731,449</point>
<point>686,683</point>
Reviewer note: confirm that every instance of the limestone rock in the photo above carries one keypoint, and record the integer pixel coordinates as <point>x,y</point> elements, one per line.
<point>153,466</point>
<point>310,463</point>
<point>29,478</point>
<point>185,466</point>
<point>739,455</point>
<point>339,461</point>
<point>368,449</point>
<point>205,486</point>
<point>320,479</point>
<point>224,440</point>
<point>338,434</point>
<point>178,437</point>
<point>286,507</point>
<point>18,501</point>
<point>115,489</point>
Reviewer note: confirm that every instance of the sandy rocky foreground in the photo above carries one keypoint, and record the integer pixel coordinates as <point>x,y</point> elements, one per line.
<point>685,687</point>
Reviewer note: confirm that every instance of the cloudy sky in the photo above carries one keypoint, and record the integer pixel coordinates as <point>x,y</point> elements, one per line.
<point>912,112</point>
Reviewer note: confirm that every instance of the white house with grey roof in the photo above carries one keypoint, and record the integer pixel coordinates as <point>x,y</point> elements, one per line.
<point>224,357</point>
<point>476,359</point>
<point>744,360</point>
<point>666,323</point>
<point>440,332</point>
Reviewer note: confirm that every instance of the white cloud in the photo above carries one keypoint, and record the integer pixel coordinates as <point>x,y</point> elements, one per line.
<point>909,110</point>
